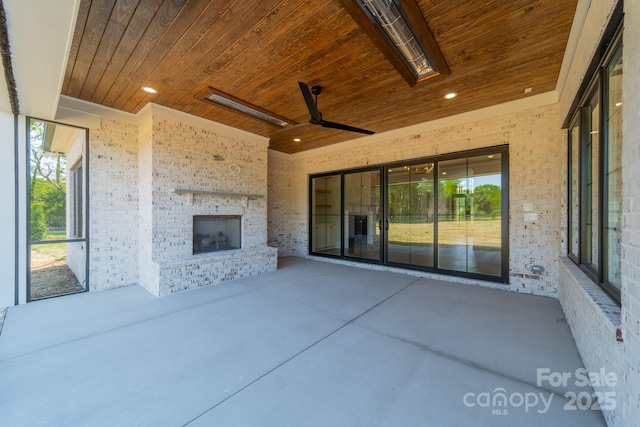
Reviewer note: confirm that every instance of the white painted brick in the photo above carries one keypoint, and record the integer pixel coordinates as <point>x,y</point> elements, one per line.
<point>536,156</point>
<point>191,272</point>
<point>631,210</point>
<point>113,177</point>
<point>182,156</point>
<point>139,226</point>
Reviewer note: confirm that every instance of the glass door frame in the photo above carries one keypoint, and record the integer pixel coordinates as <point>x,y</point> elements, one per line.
<point>86,199</point>
<point>387,212</point>
<point>342,230</point>
<point>503,150</point>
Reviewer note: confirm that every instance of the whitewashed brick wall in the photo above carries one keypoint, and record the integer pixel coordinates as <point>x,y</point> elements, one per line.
<point>631,210</point>
<point>148,276</point>
<point>278,209</point>
<point>536,155</point>
<point>182,157</point>
<point>113,194</point>
<point>191,272</point>
<point>594,319</point>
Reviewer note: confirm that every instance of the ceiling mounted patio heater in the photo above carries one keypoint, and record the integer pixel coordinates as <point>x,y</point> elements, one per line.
<point>232,103</point>
<point>401,33</point>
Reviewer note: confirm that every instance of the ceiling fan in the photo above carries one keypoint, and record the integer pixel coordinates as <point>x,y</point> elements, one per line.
<point>316,116</point>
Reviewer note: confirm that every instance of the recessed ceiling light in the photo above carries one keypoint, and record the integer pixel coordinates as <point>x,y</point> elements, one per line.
<point>490,156</point>
<point>444,173</point>
<point>149,89</point>
<point>296,140</point>
<point>528,90</point>
<point>450,95</point>
<point>618,104</point>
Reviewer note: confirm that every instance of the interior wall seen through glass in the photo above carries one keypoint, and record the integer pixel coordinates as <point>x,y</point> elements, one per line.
<point>592,184</point>
<point>325,214</point>
<point>574,192</point>
<point>362,214</point>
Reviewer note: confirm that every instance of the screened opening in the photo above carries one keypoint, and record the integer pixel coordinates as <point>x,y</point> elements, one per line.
<point>58,210</point>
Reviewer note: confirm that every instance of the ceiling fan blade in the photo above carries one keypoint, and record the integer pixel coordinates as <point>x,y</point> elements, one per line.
<point>316,118</point>
<point>340,126</point>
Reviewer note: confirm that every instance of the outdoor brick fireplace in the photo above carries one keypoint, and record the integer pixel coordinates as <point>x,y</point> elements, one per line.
<point>202,204</point>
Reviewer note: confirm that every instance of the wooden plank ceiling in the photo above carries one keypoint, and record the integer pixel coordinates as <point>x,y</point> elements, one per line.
<point>258,50</point>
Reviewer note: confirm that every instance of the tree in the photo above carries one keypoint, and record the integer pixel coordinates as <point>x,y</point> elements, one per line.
<point>38,225</point>
<point>47,165</point>
<point>450,191</point>
<point>48,182</point>
<point>487,199</point>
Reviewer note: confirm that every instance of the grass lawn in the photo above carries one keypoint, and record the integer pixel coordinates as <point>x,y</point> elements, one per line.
<point>50,274</point>
<point>55,235</point>
<point>479,232</point>
<point>53,251</point>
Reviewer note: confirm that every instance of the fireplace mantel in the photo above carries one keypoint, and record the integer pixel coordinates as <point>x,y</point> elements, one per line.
<point>216,193</point>
<point>191,192</point>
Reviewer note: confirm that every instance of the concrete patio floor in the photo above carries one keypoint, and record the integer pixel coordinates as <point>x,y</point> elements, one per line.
<point>312,344</point>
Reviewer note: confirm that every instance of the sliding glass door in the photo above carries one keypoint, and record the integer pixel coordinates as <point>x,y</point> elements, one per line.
<point>410,214</point>
<point>469,215</point>
<point>444,214</point>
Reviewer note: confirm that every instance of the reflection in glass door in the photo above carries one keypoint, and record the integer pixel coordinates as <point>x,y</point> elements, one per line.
<point>410,214</point>
<point>57,210</point>
<point>469,214</point>
<point>362,215</point>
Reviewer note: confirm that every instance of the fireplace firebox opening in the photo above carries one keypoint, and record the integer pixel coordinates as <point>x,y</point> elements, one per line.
<point>214,233</point>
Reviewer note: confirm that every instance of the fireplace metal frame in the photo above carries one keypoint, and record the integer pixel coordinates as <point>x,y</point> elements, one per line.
<point>217,242</point>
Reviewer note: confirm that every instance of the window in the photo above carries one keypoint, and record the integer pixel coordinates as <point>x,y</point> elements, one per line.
<point>595,175</point>
<point>76,216</point>
<point>574,192</point>
<point>613,172</point>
